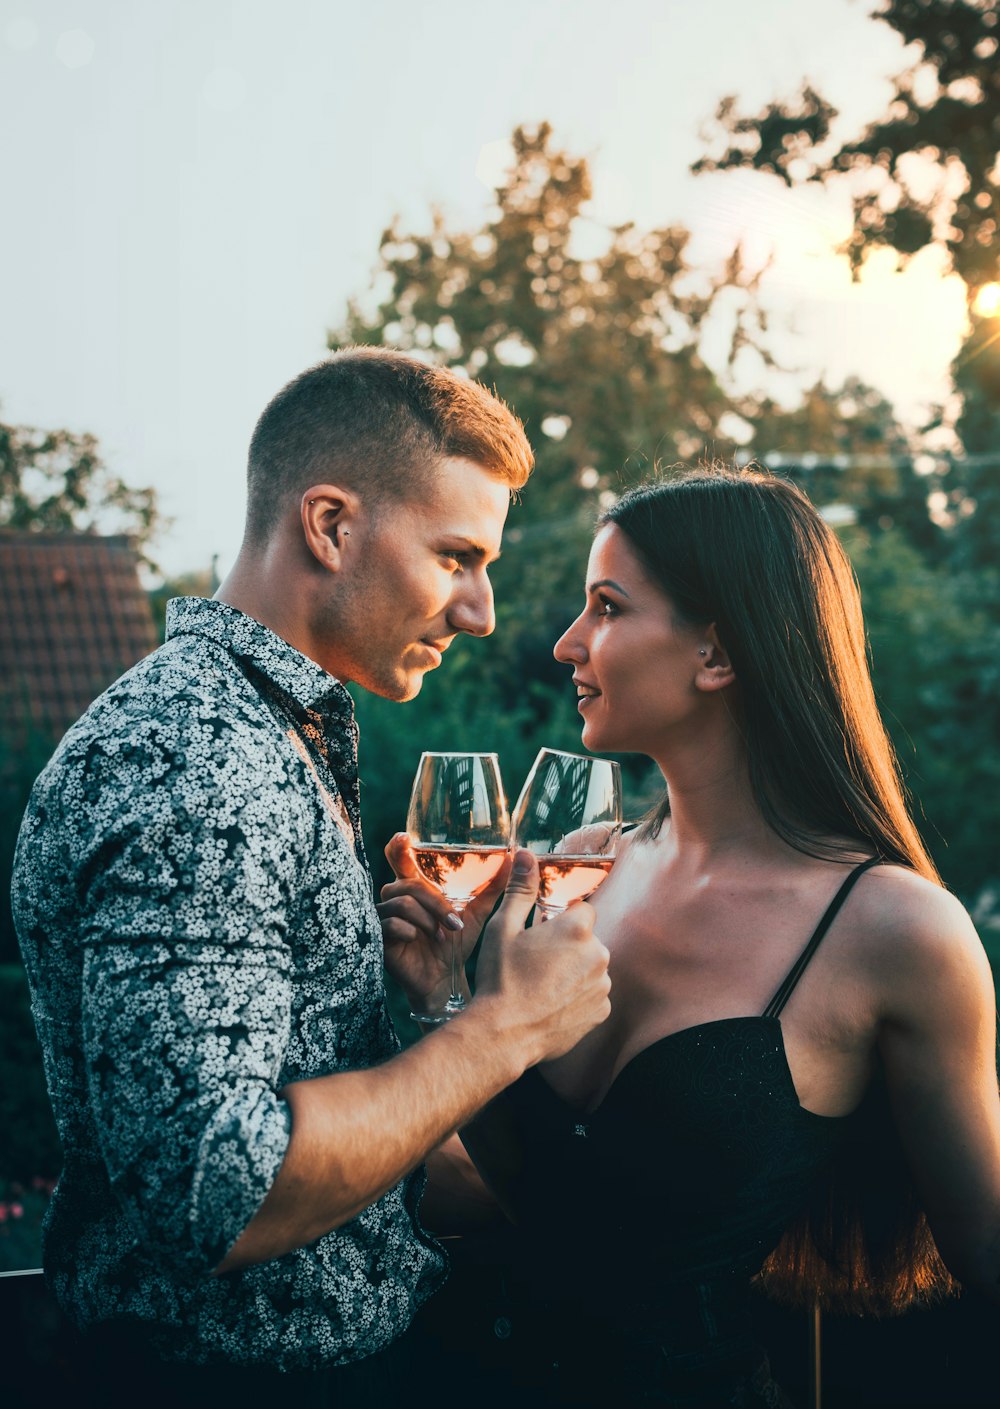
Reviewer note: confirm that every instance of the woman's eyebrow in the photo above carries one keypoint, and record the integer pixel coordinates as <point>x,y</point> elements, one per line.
<point>608,582</point>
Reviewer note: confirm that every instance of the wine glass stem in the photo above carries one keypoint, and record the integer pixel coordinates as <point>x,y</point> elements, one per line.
<point>457,966</point>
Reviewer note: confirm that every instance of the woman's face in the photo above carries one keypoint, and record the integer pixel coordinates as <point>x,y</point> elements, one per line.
<point>635,663</point>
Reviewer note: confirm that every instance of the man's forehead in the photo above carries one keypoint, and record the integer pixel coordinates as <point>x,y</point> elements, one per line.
<point>470,504</point>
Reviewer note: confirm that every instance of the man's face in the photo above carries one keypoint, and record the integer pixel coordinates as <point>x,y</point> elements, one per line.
<point>415,576</point>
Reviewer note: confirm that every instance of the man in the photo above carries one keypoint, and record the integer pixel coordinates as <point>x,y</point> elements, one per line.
<point>242,1137</point>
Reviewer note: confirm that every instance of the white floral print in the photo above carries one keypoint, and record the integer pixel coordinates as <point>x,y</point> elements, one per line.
<point>196,917</point>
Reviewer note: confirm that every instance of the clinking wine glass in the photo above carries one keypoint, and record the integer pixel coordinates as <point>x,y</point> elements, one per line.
<point>459,826</point>
<point>570,815</point>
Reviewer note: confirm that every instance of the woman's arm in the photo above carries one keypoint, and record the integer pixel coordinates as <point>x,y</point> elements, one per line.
<point>938,1045</point>
<point>455,1200</point>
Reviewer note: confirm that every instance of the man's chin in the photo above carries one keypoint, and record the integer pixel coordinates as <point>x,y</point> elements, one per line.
<point>399,688</point>
<point>411,688</point>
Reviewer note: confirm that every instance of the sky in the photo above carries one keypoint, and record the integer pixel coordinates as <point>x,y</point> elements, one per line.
<point>194,188</point>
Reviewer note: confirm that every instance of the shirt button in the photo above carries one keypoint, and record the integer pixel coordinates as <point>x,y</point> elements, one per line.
<point>502,1328</point>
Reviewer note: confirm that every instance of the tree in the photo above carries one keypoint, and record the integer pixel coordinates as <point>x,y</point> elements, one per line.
<point>935,649</point>
<point>926,171</point>
<point>599,354</point>
<point>56,482</point>
<point>846,449</point>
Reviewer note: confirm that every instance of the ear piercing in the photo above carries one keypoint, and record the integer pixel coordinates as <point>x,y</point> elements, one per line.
<point>345,531</point>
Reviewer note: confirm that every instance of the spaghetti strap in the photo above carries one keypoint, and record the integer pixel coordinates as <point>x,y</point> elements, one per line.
<point>787,985</point>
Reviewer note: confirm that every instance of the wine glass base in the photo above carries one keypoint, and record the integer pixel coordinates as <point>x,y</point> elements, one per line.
<point>451,1009</point>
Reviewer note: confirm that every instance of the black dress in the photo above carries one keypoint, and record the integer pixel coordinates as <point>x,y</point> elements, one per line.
<point>640,1224</point>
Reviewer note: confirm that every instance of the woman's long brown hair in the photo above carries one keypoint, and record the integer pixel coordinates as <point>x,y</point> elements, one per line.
<point>748,552</point>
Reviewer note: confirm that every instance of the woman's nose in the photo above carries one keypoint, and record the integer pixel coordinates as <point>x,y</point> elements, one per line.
<point>570,649</point>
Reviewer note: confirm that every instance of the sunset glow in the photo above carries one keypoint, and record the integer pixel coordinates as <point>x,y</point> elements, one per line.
<point>987,301</point>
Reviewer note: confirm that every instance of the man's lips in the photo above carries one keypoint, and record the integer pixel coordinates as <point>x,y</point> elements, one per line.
<point>436,648</point>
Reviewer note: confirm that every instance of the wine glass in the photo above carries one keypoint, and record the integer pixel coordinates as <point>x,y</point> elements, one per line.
<point>459,826</point>
<point>570,815</point>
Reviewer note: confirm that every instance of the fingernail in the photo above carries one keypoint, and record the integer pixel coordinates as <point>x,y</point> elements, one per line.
<point>454,922</point>
<point>522,864</point>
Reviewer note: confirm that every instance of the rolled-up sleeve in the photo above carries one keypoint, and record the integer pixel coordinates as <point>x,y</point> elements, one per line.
<point>186,988</point>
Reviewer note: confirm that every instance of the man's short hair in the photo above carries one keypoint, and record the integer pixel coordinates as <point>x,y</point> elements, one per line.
<point>376,420</point>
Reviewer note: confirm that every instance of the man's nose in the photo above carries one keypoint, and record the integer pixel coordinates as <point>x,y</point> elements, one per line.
<point>472,610</point>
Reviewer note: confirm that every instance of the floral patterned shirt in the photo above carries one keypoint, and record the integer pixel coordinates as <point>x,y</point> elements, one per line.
<point>197,921</point>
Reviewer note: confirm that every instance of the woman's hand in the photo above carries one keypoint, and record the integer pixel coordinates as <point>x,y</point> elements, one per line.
<point>419,926</point>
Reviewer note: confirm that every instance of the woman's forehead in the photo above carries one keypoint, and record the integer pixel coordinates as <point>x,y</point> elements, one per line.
<point>612,555</point>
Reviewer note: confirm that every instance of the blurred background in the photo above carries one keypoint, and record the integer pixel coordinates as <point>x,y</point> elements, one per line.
<point>663,233</point>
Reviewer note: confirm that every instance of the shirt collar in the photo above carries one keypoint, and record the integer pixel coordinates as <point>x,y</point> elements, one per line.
<point>308,684</point>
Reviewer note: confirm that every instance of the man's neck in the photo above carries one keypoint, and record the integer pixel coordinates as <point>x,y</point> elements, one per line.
<point>257,587</point>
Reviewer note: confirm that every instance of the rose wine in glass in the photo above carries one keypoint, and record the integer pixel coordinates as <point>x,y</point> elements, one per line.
<point>570,815</point>
<point>459,827</point>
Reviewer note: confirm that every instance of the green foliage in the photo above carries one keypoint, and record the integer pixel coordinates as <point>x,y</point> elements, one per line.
<point>926,171</point>
<point>936,665</point>
<point>29,1145</point>
<point>56,482</point>
<point>974,484</point>
<point>844,447</point>
<point>22,1209</point>
<point>23,755</point>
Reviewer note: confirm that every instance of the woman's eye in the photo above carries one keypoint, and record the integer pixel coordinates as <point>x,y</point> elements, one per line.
<point>606,607</point>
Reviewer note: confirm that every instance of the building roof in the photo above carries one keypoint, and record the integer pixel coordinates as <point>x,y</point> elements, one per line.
<point>74,617</point>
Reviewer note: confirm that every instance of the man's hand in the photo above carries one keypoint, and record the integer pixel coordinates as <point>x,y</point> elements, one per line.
<point>356,1133</point>
<point>549,984</point>
<point>419,926</point>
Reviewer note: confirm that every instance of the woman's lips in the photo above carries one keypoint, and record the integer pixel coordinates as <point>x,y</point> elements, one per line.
<point>585,693</point>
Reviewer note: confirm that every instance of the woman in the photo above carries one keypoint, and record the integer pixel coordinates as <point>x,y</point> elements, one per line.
<point>784,961</point>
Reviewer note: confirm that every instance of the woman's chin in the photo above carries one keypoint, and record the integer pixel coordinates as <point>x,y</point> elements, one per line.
<point>592,737</point>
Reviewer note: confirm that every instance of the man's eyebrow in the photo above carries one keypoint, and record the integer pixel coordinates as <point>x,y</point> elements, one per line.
<point>608,582</point>
<point>474,549</point>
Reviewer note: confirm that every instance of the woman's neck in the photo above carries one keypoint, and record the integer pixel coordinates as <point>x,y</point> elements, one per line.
<point>713,811</point>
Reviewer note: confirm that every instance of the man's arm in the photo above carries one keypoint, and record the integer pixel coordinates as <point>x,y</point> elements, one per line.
<point>356,1134</point>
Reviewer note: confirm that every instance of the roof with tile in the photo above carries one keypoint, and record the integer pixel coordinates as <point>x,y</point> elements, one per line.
<point>74,617</point>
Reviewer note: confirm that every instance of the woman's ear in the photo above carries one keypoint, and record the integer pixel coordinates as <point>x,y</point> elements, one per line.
<point>328,514</point>
<point>715,669</point>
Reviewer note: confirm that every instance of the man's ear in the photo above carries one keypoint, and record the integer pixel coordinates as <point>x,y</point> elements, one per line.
<point>329,513</point>
<point>715,669</point>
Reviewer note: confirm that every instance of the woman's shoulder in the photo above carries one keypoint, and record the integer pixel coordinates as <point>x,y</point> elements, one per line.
<point>910,928</point>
